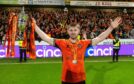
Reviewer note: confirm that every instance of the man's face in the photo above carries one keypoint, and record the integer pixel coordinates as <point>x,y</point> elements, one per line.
<point>73,32</point>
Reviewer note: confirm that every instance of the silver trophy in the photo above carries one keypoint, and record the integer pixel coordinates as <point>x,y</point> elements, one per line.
<point>22,20</point>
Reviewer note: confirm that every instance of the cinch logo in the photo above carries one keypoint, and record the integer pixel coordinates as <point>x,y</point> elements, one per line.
<point>3,53</point>
<point>95,51</point>
<point>48,52</point>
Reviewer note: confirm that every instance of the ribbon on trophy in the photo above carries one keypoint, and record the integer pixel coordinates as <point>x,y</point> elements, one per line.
<point>26,25</point>
<point>11,35</point>
<point>20,23</point>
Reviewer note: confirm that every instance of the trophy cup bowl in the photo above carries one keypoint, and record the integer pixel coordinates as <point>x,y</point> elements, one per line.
<point>22,20</point>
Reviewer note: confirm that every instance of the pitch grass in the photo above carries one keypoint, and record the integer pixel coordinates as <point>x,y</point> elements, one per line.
<point>99,70</point>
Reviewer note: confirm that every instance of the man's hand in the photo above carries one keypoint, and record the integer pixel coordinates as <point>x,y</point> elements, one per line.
<point>114,24</point>
<point>117,21</point>
<point>42,34</point>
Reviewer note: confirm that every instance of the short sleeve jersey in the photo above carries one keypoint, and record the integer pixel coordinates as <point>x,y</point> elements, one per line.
<point>72,72</point>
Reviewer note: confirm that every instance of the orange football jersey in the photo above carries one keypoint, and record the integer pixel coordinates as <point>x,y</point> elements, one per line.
<point>72,72</point>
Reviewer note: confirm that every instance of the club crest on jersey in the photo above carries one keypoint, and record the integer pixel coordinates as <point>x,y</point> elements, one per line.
<point>68,46</point>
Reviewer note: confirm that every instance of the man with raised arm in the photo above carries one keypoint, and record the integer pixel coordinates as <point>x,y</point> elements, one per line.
<point>73,50</point>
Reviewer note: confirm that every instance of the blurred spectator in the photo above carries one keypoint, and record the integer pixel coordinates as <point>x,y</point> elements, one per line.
<point>132,34</point>
<point>92,21</point>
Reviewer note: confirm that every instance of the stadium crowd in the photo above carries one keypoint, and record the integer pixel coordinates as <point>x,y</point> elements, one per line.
<point>92,21</point>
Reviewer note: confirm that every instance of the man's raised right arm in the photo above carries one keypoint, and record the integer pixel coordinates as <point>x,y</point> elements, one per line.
<point>43,35</point>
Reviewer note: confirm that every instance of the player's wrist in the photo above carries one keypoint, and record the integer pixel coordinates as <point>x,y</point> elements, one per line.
<point>111,27</point>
